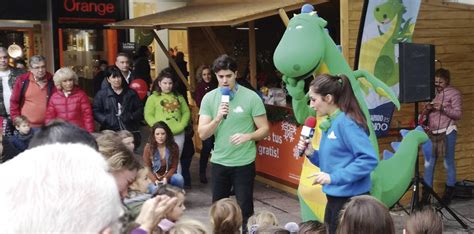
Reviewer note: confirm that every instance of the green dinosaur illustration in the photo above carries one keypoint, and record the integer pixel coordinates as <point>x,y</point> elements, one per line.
<point>386,67</point>
<point>307,49</point>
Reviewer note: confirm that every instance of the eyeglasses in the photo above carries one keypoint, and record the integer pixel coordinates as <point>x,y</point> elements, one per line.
<point>38,67</point>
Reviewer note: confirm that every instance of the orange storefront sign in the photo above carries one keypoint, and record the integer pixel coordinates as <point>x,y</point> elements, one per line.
<point>277,154</point>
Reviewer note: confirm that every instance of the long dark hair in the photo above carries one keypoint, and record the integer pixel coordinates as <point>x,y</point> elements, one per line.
<point>340,88</point>
<point>169,143</point>
<point>165,73</point>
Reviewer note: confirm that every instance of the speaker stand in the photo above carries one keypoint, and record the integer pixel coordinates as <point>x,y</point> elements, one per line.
<point>415,202</point>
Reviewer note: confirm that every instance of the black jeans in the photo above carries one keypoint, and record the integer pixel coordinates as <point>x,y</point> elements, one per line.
<point>241,178</point>
<point>207,146</point>
<point>186,158</point>
<point>333,208</point>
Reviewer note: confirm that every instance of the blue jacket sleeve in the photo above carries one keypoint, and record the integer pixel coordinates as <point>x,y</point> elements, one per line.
<point>314,159</point>
<point>364,157</point>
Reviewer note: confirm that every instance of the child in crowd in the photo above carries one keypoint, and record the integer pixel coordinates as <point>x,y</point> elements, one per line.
<point>189,226</point>
<point>261,219</point>
<point>312,227</point>
<point>226,216</point>
<point>23,134</point>
<point>172,217</point>
<point>127,139</point>
<point>138,192</point>
<point>161,156</point>
<point>359,214</point>
<point>271,230</point>
<point>425,221</point>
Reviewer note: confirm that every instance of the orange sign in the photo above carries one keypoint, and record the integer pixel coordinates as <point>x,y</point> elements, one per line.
<point>277,154</point>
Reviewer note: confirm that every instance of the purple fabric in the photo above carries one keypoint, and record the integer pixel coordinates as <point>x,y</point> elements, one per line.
<point>138,231</point>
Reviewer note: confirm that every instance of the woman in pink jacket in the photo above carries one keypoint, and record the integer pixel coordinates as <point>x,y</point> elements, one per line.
<point>443,113</point>
<point>69,102</point>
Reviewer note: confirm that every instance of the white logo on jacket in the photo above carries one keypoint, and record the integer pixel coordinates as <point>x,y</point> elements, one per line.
<point>332,135</point>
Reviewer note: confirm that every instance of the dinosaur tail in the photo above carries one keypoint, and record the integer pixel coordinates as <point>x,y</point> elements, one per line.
<point>391,177</point>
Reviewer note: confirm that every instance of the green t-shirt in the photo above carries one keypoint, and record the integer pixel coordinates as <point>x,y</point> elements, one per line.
<point>245,105</point>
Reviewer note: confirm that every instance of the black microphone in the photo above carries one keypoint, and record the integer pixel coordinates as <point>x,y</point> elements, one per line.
<point>225,91</point>
<point>307,132</point>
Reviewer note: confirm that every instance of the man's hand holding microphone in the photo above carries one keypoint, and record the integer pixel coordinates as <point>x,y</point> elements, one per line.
<point>224,106</point>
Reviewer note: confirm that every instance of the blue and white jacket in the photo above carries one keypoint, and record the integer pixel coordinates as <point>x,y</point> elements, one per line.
<point>346,154</point>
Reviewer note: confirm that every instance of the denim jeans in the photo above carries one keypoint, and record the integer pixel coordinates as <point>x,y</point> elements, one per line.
<point>207,146</point>
<point>241,178</point>
<point>449,164</point>
<point>177,180</point>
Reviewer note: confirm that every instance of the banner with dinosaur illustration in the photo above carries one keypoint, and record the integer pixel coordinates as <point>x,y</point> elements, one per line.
<point>386,23</point>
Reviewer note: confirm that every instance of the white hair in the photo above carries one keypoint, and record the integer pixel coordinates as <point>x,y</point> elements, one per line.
<point>63,74</point>
<point>58,188</point>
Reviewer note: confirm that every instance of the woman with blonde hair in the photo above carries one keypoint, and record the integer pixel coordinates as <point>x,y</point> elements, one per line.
<point>226,216</point>
<point>123,165</point>
<point>69,102</point>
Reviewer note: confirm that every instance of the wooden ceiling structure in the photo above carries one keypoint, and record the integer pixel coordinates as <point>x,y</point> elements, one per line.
<point>207,14</point>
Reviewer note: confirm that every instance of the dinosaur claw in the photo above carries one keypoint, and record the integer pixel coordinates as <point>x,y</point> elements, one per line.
<point>366,83</point>
<point>380,91</point>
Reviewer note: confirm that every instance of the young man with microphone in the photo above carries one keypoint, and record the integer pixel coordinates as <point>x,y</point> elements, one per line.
<point>236,124</point>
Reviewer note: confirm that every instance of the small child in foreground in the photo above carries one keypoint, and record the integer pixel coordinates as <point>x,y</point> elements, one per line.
<point>23,134</point>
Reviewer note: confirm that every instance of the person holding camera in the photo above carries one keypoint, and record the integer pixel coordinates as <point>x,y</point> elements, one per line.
<point>442,112</point>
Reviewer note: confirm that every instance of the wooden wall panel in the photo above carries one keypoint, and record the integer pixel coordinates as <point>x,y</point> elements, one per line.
<point>451,30</point>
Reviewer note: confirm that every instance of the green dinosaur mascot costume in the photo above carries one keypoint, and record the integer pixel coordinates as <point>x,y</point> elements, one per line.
<point>306,49</point>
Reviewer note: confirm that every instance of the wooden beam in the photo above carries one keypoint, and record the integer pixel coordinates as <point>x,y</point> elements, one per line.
<point>283,16</point>
<point>444,3</point>
<point>171,60</point>
<point>252,55</point>
<point>192,74</point>
<point>344,24</point>
<point>215,43</point>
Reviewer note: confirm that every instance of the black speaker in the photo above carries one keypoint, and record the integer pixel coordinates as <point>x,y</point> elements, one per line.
<point>417,64</point>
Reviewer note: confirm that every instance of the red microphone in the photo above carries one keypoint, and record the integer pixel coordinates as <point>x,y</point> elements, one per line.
<point>307,132</point>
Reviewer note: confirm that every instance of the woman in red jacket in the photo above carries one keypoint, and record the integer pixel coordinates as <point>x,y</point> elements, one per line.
<point>69,102</point>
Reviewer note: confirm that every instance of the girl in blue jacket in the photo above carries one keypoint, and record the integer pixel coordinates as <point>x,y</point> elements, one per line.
<point>346,157</point>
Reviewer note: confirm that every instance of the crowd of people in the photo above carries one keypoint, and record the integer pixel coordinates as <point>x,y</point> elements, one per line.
<point>74,172</point>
